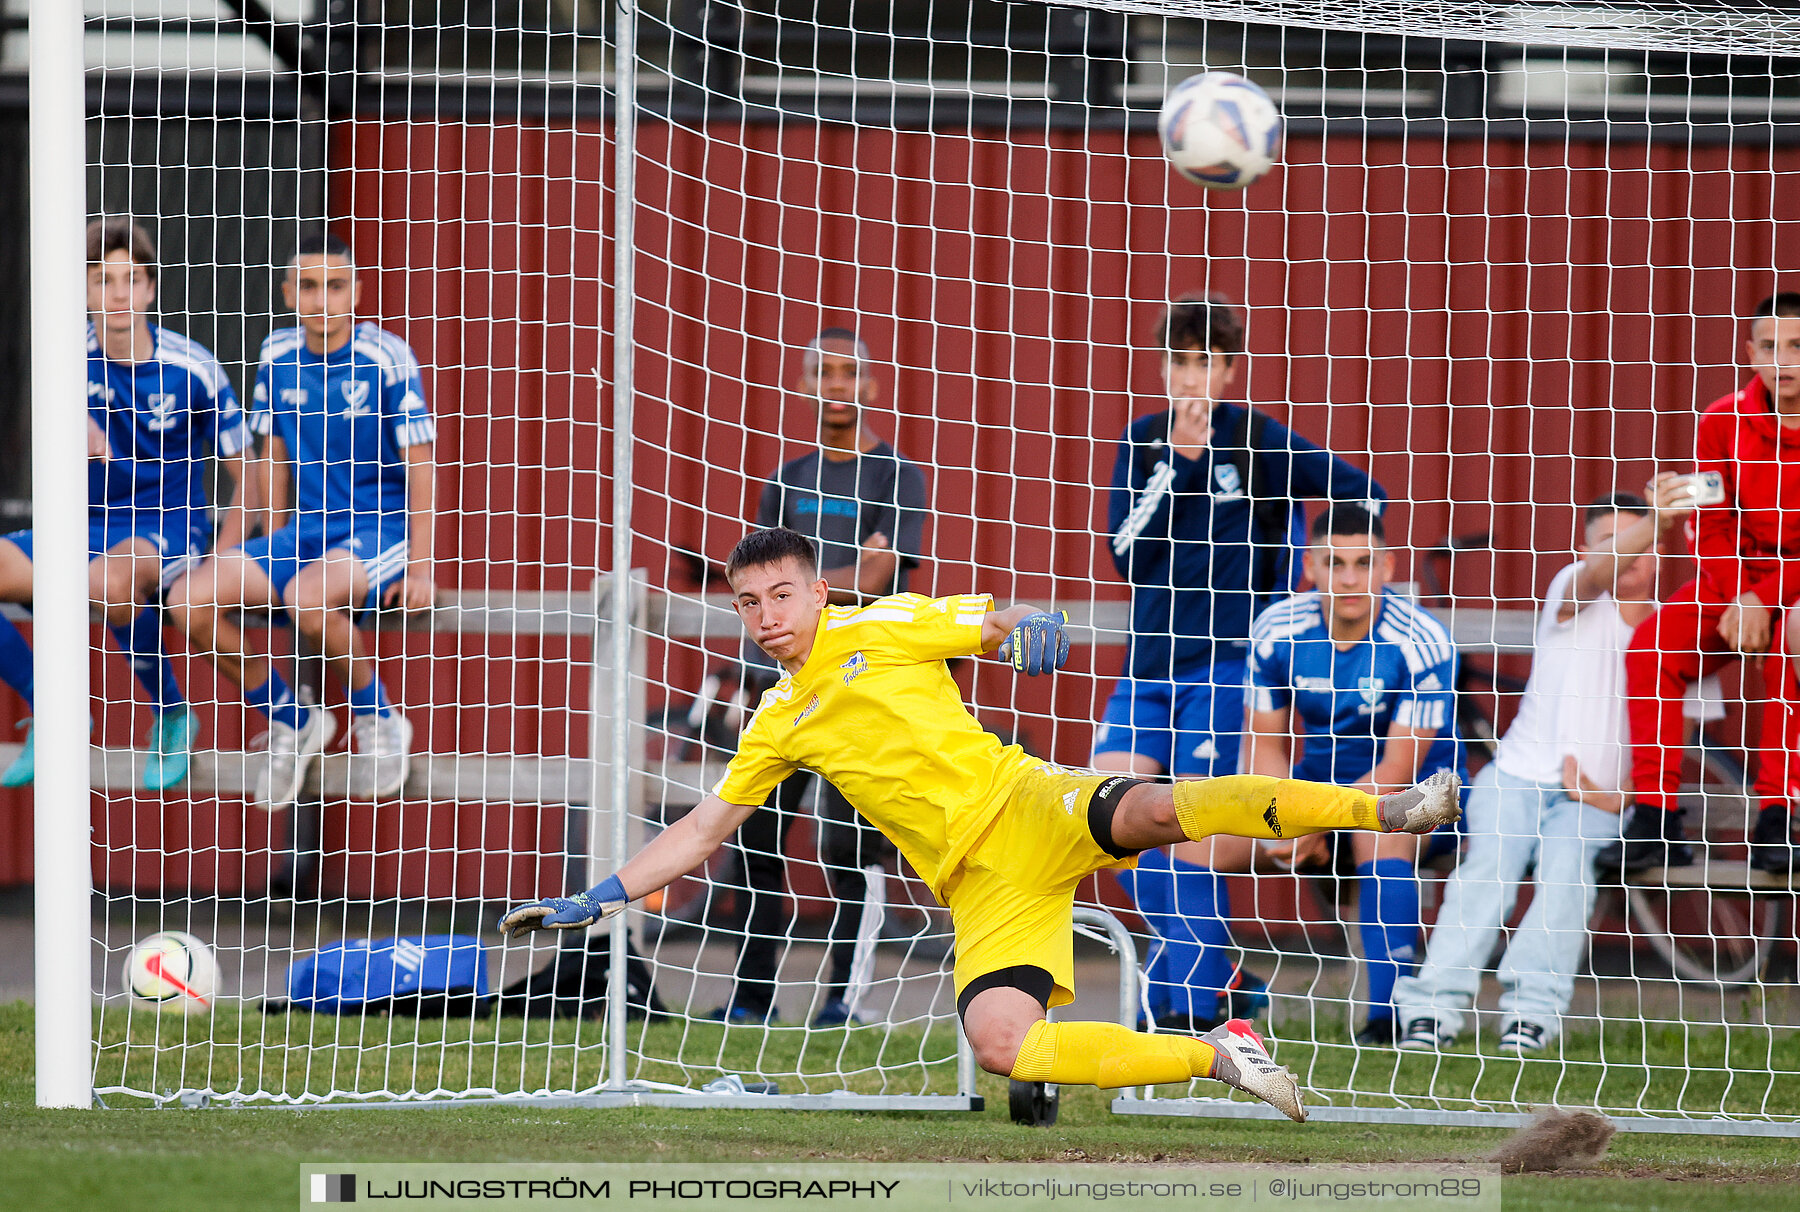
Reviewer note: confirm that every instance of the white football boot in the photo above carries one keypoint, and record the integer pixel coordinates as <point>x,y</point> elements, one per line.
<point>292,751</point>
<point>1424,806</point>
<point>1244,1064</point>
<point>380,755</point>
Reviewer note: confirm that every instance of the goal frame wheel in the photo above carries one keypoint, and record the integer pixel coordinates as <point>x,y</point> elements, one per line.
<point>1033,1104</point>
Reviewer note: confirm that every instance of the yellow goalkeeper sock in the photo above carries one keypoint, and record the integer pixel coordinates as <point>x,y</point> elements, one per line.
<point>1254,805</point>
<point>1108,1055</point>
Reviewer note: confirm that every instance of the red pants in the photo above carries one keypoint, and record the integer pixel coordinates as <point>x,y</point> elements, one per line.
<point>1677,646</point>
<point>1777,766</point>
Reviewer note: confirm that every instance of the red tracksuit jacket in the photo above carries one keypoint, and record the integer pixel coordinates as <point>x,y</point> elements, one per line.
<point>1752,541</point>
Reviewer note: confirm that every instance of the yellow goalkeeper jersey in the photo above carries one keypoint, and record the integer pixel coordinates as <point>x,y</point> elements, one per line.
<point>875,711</point>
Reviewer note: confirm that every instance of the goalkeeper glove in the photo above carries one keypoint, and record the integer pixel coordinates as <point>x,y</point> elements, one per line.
<point>567,912</point>
<point>1038,644</point>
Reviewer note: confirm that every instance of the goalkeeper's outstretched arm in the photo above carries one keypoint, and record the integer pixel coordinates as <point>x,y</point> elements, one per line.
<point>675,851</point>
<point>1032,640</point>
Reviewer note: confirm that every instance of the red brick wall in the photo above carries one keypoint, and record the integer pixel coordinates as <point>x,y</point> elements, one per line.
<point>1498,330</point>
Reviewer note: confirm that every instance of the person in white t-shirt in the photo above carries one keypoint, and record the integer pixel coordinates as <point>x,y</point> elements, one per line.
<point>1552,794</point>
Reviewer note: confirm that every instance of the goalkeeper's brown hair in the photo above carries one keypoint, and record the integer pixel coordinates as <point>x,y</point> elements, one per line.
<point>772,546</point>
<point>1206,322</point>
<point>1783,304</point>
<point>119,234</point>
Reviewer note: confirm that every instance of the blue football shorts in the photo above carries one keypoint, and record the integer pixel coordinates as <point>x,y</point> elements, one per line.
<point>179,538</point>
<point>379,541</point>
<point>1192,729</point>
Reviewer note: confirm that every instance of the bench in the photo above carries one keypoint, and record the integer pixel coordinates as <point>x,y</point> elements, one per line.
<point>467,778</point>
<point>552,781</point>
<point>1717,877</point>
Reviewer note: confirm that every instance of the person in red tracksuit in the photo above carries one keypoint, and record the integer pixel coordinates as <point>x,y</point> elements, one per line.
<point>1741,604</point>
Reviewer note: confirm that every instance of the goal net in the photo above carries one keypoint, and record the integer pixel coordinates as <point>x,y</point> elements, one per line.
<point>1505,261</point>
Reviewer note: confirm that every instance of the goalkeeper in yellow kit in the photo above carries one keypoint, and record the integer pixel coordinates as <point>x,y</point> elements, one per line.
<point>1000,837</point>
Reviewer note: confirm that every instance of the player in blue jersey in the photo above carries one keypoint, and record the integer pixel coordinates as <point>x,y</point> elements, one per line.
<point>1204,519</point>
<point>1365,681</point>
<point>159,406</point>
<point>346,472</point>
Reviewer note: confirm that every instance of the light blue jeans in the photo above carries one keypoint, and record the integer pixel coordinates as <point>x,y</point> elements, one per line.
<point>1510,823</point>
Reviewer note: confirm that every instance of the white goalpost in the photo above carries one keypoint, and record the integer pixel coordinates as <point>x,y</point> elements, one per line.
<point>63,882</point>
<point>1505,259</point>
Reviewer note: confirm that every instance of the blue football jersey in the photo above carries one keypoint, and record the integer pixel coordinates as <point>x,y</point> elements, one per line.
<point>346,418</point>
<point>1344,701</point>
<point>162,418</point>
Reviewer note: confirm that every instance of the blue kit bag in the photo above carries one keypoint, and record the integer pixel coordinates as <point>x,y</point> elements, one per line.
<point>427,975</point>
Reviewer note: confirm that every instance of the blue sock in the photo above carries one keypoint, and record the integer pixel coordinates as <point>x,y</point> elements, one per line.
<point>1151,887</point>
<point>370,700</point>
<point>141,640</point>
<point>1388,913</point>
<point>1187,907</point>
<point>1203,905</point>
<point>16,669</point>
<point>274,699</point>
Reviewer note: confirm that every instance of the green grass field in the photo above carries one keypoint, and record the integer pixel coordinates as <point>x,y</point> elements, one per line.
<point>224,1158</point>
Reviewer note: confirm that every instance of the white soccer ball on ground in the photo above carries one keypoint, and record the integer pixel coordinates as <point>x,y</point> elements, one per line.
<point>1220,130</point>
<point>172,971</point>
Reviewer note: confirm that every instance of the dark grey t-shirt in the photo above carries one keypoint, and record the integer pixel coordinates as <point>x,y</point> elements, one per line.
<point>840,504</point>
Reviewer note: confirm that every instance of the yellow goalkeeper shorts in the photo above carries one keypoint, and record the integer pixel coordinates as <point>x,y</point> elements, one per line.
<point>1013,897</point>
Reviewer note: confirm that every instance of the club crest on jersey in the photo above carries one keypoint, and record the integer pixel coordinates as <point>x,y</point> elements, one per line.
<point>857,664</point>
<point>812,705</point>
<point>162,411</point>
<point>1371,690</point>
<point>356,398</point>
<point>1225,475</point>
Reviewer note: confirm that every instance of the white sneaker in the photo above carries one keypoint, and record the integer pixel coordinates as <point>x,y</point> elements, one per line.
<point>1424,806</point>
<point>1524,1037</point>
<point>1244,1064</point>
<point>380,755</point>
<point>1423,1034</point>
<point>292,752</point>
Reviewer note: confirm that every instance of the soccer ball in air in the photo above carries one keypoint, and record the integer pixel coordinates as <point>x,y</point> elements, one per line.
<point>172,971</point>
<point>1220,130</point>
